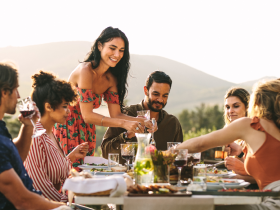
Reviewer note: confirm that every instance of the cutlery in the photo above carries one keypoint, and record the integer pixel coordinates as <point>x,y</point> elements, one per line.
<point>153,142</point>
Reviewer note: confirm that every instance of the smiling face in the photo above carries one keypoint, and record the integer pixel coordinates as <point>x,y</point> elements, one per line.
<point>111,52</point>
<point>60,114</point>
<point>234,108</point>
<point>156,96</point>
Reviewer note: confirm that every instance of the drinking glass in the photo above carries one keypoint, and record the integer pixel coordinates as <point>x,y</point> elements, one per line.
<point>113,160</point>
<point>195,157</point>
<point>27,110</point>
<point>199,177</point>
<point>135,147</point>
<point>172,144</point>
<point>144,114</point>
<point>180,162</point>
<point>127,153</point>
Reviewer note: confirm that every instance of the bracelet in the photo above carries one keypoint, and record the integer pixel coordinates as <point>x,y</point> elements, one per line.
<point>241,155</point>
<point>102,120</point>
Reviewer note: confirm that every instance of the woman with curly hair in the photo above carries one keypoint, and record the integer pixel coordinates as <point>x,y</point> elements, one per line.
<point>261,133</point>
<point>103,74</point>
<point>47,164</point>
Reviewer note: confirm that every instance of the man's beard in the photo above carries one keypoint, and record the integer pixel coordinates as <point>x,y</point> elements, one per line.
<point>150,105</point>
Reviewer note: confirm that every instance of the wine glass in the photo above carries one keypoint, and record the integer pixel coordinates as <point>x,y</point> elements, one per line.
<point>172,144</point>
<point>127,153</point>
<point>135,147</point>
<point>180,162</point>
<point>195,157</point>
<point>144,114</point>
<point>27,110</point>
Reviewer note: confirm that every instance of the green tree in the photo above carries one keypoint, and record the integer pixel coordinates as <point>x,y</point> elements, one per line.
<point>13,125</point>
<point>202,116</point>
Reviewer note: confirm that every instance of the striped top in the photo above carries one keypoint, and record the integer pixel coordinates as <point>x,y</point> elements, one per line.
<point>47,166</point>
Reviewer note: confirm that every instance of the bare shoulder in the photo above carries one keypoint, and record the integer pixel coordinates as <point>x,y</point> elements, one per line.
<point>242,125</point>
<point>243,121</point>
<point>82,76</point>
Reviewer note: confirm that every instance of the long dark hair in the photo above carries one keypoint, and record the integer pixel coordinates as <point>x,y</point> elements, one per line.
<point>120,71</point>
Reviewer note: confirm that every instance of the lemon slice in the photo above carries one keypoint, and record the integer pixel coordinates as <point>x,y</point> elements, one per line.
<point>163,190</point>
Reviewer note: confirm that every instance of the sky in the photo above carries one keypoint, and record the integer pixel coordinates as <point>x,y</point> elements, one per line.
<point>235,40</point>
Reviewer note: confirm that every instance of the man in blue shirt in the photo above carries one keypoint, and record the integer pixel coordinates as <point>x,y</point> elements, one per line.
<point>16,190</point>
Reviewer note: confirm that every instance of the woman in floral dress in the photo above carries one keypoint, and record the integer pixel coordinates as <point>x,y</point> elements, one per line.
<point>102,75</point>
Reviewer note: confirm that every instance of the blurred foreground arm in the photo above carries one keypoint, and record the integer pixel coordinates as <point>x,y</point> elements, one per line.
<point>13,189</point>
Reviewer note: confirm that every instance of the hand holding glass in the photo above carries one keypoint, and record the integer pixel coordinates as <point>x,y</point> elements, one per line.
<point>27,110</point>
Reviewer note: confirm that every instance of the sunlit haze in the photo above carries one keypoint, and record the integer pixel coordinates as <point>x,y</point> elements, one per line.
<point>235,40</point>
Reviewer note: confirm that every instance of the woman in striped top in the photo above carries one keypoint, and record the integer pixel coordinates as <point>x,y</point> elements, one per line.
<point>47,164</point>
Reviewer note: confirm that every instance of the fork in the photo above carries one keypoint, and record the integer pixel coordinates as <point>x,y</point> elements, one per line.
<point>223,185</point>
<point>153,142</point>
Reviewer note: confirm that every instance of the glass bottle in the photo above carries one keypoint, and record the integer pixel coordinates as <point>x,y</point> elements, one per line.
<point>143,166</point>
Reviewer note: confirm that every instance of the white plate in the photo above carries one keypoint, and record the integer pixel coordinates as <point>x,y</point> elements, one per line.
<point>160,184</point>
<point>233,186</point>
<point>88,167</point>
<point>220,175</point>
<point>108,173</point>
<point>237,181</point>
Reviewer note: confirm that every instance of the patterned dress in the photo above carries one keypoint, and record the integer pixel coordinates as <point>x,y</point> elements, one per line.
<point>76,131</point>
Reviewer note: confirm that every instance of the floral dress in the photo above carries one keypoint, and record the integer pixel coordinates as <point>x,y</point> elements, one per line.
<point>76,131</point>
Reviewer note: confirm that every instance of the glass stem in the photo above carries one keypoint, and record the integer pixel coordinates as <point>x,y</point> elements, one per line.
<point>127,163</point>
<point>179,177</point>
<point>34,126</point>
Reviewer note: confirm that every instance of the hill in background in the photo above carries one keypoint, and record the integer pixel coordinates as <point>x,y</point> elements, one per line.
<point>190,86</point>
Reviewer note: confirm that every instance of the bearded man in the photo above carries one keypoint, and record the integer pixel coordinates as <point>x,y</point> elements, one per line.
<point>157,89</point>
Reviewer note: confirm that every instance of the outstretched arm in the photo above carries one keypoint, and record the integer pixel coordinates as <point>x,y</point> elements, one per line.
<point>236,130</point>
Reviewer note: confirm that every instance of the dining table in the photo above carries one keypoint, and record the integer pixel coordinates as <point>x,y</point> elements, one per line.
<point>195,202</point>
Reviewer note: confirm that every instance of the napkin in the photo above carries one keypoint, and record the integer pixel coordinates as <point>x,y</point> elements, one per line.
<point>96,160</point>
<point>115,183</point>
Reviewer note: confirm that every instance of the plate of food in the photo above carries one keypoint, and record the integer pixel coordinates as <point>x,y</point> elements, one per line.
<point>239,192</point>
<point>217,172</point>
<point>216,180</point>
<point>156,190</point>
<point>88,166</point>
<point>231,186</point>
<point>106,171</point>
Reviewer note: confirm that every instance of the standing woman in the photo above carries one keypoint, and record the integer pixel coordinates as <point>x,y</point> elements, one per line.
<point>103,74</point>
<point>46,163</point>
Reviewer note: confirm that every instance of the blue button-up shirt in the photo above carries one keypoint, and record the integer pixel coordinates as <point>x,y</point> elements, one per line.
<point>10,158</point>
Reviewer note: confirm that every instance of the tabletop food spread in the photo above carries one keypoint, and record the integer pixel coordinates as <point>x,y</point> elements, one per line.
<point>100,180</point>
